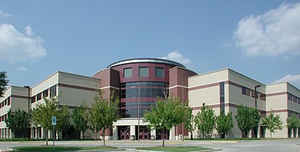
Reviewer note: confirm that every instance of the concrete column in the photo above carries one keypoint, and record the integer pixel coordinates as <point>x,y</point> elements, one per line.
<point>172,134</point>
<point>153,134</point>
<point>115,133</point>
<point>258,132</point>
<point>132,132</point>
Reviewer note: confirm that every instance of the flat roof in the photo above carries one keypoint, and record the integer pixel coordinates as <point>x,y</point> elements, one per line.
<point>146,60</point>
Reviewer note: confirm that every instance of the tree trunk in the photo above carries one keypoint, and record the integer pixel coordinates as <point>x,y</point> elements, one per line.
<point>191,135</point>
<point>103,136</point>
<point>46,137</point>
<point>164,134</point>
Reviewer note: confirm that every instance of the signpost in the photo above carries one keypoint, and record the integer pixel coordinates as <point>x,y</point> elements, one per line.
<point>53,120</point>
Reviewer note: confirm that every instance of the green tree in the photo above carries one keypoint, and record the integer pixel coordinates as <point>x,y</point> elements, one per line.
<point>80,119</point>
<point>247,119</point>
<point>188,121</point>
<point>293,123</point>
<point>18,122</point>
<point>272,123</point>
<point>205,121</point>
<point>42,114</point>
<point>103,114</point>
<point>63,119</point>
<point>224,124</point>
<point>166,114</point>
<point>3,83</point>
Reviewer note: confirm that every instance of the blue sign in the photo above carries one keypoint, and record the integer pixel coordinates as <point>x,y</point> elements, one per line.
<point>53,120</point>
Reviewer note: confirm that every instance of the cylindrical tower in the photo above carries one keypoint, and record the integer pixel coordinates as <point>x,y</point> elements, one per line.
<point>142,81</point>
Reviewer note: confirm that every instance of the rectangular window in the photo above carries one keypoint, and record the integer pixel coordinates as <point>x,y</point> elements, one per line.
<point>45,93</point>
<point>290,97</point>
<point>127,73</point>
<point>8,101</point>
<point>53,91</point>
<point>39,96</point>
<point>244,90</point>
<point>263,97</point>
<point>33,99</point>
<point>159,72</point>
<point>143,71</point>
<point>222,97</point>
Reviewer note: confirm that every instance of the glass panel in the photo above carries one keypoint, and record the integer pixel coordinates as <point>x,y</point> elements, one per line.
<point>127,72</point>
<point>143,71</point>
<point>159,72</point>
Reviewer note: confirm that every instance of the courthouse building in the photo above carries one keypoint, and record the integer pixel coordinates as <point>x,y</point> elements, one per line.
<point>139,82</point>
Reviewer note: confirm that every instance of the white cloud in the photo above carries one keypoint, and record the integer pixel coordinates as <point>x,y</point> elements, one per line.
<point>4,14</point>
<point>295,79</point>
<point>28,30</point>
<point>273,33</point>
<point>22,68</point>
<point>16,46</point>
<point>177,56</point>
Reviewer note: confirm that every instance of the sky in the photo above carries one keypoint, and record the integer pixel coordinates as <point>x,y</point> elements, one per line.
<point>260,39</point>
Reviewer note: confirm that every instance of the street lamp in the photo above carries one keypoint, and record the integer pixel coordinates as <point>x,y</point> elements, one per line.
<point>255,99</point>
<point>255,95</point>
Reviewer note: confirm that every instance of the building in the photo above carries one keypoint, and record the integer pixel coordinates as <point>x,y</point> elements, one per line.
<point>139,82</point>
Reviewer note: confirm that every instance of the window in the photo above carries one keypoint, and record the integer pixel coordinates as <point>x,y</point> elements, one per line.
<point>8,101</point>
<point>127,73</point>
<point>263,97</point>
<point>222,97</point>
<point>244,90</point>
<point>39,97</point>
<point>143,71</point>
<point>45,93</point>
<point>290,97</point>
<point>33,99</point>
<point>53,91</point>
<point>159,72</point>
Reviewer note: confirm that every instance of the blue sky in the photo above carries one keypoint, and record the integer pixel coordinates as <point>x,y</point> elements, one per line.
<point>258,38</point>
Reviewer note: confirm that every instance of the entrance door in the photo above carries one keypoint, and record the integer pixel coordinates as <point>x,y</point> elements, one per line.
<point>162,133</point>
<point>124,132</point>
<point>144,132</point>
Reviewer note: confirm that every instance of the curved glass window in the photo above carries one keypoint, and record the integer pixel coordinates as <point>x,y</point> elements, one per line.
<point>143,89</point>
<point>131,109</point>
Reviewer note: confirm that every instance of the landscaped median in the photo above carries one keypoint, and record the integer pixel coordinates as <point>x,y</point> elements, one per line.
<point>61,148</point>
<point>175,149</point>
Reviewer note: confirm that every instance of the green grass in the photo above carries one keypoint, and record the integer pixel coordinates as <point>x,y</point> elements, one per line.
<point>176,149</point>
<point>60,148</point>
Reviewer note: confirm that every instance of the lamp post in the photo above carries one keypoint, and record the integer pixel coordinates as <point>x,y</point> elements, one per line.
<point>255,95</point>
<point>255,99</point>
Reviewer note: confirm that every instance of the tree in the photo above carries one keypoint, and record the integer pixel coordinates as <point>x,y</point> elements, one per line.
<point>224,124</point>
<point>18,122</point>
<point>3,83</point>
<point>43,113</point>
<point>272,123</point>
<point>247,119</point>
<point>63,119</point>
<point>103,114</point>
<point>189,120</point>
<point>205,121</point>
<point>293,123</point>
<point>79,119</point>
<point>166,114</point>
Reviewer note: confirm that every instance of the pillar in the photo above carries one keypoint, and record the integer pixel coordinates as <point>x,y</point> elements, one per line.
<point>132,132</point>
<point>153,134</point>
<point>115,133</point>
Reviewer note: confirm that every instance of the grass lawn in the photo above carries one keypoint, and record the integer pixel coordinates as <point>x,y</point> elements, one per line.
<point>176,149</point>
<point>60,148</point>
